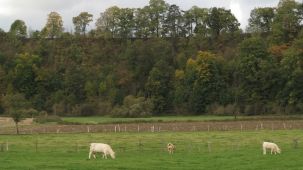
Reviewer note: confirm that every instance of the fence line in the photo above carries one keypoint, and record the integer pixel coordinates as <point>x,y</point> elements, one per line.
<point>207,146</point>
<point>159,127</point>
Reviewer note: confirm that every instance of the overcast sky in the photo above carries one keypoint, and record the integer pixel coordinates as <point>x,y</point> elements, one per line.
<point>34,12</point>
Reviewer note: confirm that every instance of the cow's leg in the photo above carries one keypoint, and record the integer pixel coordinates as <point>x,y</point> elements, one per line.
<point>264,151</point>
<point>90,154</point>
<point>271,150</point>
<point>94,155</point>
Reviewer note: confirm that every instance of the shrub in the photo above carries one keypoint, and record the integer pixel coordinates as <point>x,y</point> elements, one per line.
<point>76,110</point>
<point>255,109</point>
<point>104,108</point>
<point>231,109</point>
<point>119,111</point>
<point>274,108</point>
<point>59,109</point>
<point>31,112</point>
<point>88,110</point>
<point>217,109</point>
<point>43,113</point>
<point>214,108</point>
<point>1,110</point>
<point>291,109</point>
<point>138,110</point>
<point>133,107</point>
<point>300,105</point>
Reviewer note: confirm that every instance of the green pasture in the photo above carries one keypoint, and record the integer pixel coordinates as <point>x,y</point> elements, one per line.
<point>105,119</point>
<point>194,150</point>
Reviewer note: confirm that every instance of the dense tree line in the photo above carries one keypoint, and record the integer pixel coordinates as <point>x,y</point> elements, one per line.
<point>156,60</point>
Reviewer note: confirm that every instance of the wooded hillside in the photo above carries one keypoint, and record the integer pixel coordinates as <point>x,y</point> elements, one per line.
<point>156,60</point>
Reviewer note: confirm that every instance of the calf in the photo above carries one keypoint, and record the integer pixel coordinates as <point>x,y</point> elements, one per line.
<point>171,148</point>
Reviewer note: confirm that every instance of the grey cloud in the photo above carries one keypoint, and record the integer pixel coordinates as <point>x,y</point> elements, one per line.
<point>43,4</point>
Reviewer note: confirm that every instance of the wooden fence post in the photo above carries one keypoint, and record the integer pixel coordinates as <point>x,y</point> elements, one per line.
<point>152,129</point>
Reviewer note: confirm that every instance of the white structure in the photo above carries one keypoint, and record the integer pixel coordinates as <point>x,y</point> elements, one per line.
<point>101,148</point>
<point>272,146</point>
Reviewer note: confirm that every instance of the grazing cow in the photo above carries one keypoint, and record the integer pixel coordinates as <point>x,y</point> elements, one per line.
<point>101,148</point>
<point>272,146</point>
<point>171,148</point>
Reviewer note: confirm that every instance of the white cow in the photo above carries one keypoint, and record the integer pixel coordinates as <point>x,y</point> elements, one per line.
<point>272,146</point>
<point>170,148</point>
<point>101,148</point>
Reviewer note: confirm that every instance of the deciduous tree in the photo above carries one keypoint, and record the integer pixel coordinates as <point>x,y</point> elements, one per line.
<point>261,20</point>
<point>18,28</point>
<point>222,20</point>
<point>15,106</point>
<point>54,25</point>
<point>81,22</point>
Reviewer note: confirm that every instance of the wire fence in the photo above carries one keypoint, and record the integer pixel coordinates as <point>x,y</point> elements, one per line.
<point>159,127</point>
<point>140,146</point>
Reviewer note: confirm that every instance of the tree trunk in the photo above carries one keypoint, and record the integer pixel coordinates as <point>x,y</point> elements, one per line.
<point>17,128</point>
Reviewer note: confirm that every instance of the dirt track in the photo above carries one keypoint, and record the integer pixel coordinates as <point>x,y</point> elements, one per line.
<point>160,127</point>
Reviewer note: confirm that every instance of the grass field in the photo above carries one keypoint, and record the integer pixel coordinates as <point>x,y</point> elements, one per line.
<point>106,120</point>
<point>195,150</point>
<point>103,120</point>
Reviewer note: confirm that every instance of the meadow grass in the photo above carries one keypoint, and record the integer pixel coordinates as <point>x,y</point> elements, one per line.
<point>107,119</point>
<point>194,150</point>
